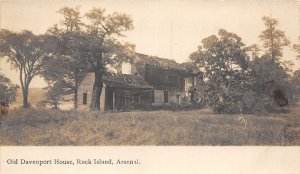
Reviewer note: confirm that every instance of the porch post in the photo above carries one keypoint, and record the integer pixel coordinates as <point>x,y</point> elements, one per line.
<point>114,101</point>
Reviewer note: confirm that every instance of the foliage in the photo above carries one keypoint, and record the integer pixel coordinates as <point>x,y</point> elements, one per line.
<point>225,64</point>
<point>296,82</point>
<point>272,68</point>
<point>237,79</point>
<point>8,90</point>
<point>27,53</point>
<point>65,71</point>
<point>54,94</point>
<point>65,66</point>
<point>265,77</point>
<point>297,48</point>
<point>274,40</point>
<point>95,43</point>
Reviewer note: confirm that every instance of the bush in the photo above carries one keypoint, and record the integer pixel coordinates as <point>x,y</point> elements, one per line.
<point>8,90</point>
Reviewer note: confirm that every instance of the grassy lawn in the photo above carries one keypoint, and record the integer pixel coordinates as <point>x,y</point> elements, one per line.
<point>197,127</point>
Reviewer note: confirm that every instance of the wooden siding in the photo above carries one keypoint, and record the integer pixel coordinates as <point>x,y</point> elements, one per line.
<point>164,79</point>
<point>87,87</point>
<point>174,97</point>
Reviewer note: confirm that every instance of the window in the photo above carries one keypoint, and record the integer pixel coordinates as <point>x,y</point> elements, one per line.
<point>166,96</point>
<point>126,68</point>
<point>84,98</point>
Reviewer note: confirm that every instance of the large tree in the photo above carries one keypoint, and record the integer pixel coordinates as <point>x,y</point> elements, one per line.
<point>26,53</point>
<point>274,40</point>
<point>94,43</point>
<point>268,72</point>
<point>65,67</point>
<point>105,31</point>
<point>224,62</point>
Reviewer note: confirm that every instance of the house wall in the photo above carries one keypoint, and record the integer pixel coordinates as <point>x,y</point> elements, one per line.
<point>87,87</point>
<point>158,96</point>
<point>174,97</point>
<point>164,79</point>
<point>139,68</point>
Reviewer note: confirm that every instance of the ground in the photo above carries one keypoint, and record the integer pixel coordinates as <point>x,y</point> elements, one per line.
<point>195,127</point>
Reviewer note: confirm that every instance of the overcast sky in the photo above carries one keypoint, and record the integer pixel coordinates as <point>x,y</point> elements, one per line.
<point>169,29</point>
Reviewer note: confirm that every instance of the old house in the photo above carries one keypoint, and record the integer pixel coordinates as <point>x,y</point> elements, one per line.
<point>145,82</point>
<point>171,81</point>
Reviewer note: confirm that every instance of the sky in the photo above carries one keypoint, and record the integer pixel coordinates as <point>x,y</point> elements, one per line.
<point>163,28</point>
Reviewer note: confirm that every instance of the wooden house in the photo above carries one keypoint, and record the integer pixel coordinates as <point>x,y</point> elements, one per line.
<point>144,82</point>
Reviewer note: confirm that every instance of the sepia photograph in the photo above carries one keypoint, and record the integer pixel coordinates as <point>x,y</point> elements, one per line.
<point>150,73</point>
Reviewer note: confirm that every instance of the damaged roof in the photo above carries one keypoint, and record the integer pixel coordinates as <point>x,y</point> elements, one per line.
<point>187,67</point>
<point>161,62</point>
<point>127,81</point>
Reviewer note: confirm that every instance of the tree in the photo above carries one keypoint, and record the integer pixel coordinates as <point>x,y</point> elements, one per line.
<point>72,19</point>
<point>26,53</point>
<point>274,40</point>
<point>55,92</point>
<point>225,65</point>
<point>99,46</point>
<point>8,90</point>
<point>296,74</point>
<point>297,48</point>
<point>267,76</point>
<point>253,51</point>
<point>65,71</point>
<point>105,30</point>
<point>65,66</point>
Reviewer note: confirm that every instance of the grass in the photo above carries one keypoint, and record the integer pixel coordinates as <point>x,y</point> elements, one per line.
<point>197,127</point>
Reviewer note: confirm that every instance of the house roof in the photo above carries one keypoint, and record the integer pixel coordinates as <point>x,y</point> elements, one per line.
<point>127,81</point>
<point>187,67</point>
<point>160,62</point>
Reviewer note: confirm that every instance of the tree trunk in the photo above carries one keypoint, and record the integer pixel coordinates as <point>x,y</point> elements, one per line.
<point>75,97</point>
<point>97,89</point>
<point>25,97</point>
<point>55,104</point>
<point>75,93</point>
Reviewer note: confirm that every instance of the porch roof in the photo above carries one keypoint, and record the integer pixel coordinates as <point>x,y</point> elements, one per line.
<point>126,81</point>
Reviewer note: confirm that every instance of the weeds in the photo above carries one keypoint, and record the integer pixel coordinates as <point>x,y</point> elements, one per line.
<point>197,127</point>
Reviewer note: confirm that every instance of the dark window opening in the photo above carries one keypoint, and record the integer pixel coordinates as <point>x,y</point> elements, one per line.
<point>178,99</point>
<point>84,99</point>
<point>153,96</point>
<point>166,97</point>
